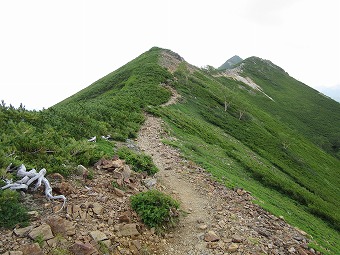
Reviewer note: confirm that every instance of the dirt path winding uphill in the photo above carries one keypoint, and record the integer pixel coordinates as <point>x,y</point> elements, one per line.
<point>219,220</point>
<point>171,177</point>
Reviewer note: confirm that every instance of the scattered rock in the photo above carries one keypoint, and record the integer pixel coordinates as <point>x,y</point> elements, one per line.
<point>63,188</point>
<point>81,170</point>
<point>128,230</point>
<point>98,235</point>
<point>124,218</point>
<point>291,250</point>
<point>150,182</point>
<point>32,249</point>
<point>119,192</point>
<point>33,215</point>
<point>97,208</point>
<point>79,248</point>
<point>61,226</point>
<point>211,236</point>
<point>22,232</point>
<point>44,231</point>
<point>237,239</point>
<point>233,247</point>
<point>126,172</point>
<point>202,226</point>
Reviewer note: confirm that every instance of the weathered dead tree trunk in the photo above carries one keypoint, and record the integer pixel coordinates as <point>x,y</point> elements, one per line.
<point>27,178</point>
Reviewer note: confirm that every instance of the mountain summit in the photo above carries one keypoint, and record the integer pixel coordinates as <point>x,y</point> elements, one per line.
<point>231,62</point>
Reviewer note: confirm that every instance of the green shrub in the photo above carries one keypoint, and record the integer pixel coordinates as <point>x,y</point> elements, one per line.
<point>139,161</point>
<point>11,211</point>
<point>155,208</point>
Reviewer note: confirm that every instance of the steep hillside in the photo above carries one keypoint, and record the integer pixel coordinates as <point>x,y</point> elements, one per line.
<point>247,139</point>
<point>300,107</point>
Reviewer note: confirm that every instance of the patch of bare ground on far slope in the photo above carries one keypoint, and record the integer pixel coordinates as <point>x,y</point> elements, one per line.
<point>171,60</point>
<point>218,220</point>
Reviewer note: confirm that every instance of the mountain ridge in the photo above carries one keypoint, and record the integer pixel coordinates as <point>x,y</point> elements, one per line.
<point>284,151</point>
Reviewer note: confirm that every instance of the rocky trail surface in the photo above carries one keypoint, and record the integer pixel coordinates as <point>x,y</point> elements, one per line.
<point>98,218</point>
<point>219,220</point>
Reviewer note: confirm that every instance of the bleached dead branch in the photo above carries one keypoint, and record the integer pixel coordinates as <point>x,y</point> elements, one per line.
<point>32,176</point>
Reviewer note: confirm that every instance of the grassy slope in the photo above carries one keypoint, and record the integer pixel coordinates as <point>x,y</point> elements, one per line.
<point>301,107</point>
<point>56,138</point>
<point>114,103</point>
<point>299,180</point>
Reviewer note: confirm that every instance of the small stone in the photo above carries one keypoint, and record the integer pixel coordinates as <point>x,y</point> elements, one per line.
<point>126,172</point>
<point>233,247</point>
<point>240,192</point>
<point>211,236</point>
<point>119,192</point>
<point>79,248</point>
<point>128,230</point>
<point>202,227</point>
<point>124,218</point>
<point>98,235</point>
<point>298,238</point>
<point>33,215</point>
<point>62,226</point>
<point>237,239</point>
<point>150,182</point>
<point>22,232</point>
<point>291,250</point>
<point>118,163</point>
<point>110,221</point>
<point>32,249</point>
<point>43,230</point>
<point>63,188</point>
<point>81,170</point>
<point>97,208</point>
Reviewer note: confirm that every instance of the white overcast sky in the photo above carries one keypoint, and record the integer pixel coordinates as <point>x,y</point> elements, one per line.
<point>50,50</point>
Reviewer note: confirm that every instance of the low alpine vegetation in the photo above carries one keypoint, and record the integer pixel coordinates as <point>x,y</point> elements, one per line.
<point>139,161</point>
<point>156,209</point>
<point>11,211</point>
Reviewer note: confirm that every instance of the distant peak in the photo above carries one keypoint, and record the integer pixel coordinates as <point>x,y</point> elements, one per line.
<point>231,62</point>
